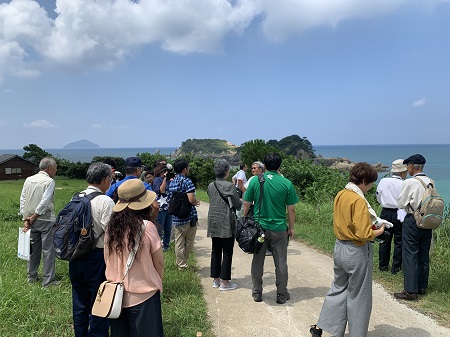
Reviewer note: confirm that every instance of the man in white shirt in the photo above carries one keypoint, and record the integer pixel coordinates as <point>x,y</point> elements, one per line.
<point>37,210</point>
<point>88,272</point>
<point>416,241</point>
<point>240,175</point>
<point>388,191</point>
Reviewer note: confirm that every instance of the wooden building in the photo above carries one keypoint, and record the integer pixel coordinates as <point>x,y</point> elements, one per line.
<point>14,167</point>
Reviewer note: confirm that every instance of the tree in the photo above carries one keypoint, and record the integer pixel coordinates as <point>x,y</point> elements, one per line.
<point>34,153</point>
<point>256,150</point>
<point>149,159</point>
<point>117,162</point>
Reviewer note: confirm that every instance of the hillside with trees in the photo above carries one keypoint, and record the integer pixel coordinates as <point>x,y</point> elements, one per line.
<point>294,145</point>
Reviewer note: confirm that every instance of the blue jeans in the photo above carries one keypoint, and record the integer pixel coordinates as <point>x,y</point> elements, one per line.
<point>144,319</point>
<point>164,219</point>
<point>86,275</point>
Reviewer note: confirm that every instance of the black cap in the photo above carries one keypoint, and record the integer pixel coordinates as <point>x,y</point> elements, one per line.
<point>415,159</point>
<point>133,162</point>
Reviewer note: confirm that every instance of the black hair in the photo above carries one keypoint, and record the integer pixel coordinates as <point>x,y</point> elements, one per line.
<point>272,161</point>
<point>180,165</point>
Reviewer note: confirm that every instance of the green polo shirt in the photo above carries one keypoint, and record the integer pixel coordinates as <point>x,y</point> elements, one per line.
<point>278,193</point>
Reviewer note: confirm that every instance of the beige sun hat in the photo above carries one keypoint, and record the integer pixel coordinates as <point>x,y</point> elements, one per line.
<point>398,166</point>
<point>134,195</point>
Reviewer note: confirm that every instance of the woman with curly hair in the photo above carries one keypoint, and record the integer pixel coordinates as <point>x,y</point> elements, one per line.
<point>349,301</point>
<point>129,224</point>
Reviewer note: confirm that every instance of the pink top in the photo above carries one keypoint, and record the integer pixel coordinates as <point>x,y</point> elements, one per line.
<point>142,280</point>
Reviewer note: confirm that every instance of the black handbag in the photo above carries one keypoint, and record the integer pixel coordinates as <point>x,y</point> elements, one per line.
<point>248,230</point>
<point>179,204</point>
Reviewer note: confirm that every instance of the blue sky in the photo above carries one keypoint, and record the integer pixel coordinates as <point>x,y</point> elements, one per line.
<point>153,73</point>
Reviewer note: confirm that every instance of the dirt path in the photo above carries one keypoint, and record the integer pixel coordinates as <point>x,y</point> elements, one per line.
<point>234,313</point>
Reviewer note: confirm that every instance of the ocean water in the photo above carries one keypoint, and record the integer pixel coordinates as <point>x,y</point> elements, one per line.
<point>85,156</point>
<point>437,156</point>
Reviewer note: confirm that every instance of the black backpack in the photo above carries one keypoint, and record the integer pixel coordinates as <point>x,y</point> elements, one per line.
<point>73,234</point>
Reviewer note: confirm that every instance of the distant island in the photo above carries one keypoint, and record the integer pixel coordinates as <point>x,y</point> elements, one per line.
<point>81,144</point>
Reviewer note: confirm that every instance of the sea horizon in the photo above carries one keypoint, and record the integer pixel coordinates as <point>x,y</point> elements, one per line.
<point>437,156</point>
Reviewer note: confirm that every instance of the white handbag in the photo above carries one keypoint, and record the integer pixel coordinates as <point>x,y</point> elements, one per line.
<point>23,245</point>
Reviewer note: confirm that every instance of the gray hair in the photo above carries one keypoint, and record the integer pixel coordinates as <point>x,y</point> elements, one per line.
<point>221,167</point>
<point>97,172</point>
<point>260,164</point>
<point>46,163</point>
<point>418,167</point>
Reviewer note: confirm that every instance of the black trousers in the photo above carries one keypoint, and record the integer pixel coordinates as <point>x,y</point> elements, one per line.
<point>86,274</point>
<point>144,319</point>
<point>395,234</point>
<point>222,257</point>
<point>416,255</point>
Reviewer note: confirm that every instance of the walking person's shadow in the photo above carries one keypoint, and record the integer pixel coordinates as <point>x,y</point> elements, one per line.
<point>383,330</point>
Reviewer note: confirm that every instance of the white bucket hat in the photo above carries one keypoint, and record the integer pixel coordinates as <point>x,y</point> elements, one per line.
<point>398,166</point>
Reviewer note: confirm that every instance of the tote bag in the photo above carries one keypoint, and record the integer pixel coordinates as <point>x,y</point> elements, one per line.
<point>23,246</point>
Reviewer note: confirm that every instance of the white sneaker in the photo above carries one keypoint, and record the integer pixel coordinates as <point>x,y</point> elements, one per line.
<point>216,284</point>
<point>228,286</point>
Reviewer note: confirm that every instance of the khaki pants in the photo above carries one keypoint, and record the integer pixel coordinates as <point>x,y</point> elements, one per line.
<point>184,241</point>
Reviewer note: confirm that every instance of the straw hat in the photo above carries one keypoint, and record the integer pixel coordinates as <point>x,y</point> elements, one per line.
<point>134,195</point>
<point>398,166</point>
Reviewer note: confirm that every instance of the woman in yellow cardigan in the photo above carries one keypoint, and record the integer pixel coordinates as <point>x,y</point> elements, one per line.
<point>349,301</point>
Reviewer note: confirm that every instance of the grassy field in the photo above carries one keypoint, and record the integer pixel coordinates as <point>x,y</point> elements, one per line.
<point>28,310</point>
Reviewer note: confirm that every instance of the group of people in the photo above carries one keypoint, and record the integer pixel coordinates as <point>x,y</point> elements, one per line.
<point>349,301</point>
<point>131,211</point>
<point>125,213</point>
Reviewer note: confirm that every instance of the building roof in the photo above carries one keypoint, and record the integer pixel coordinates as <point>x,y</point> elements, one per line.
<point>6,157</point>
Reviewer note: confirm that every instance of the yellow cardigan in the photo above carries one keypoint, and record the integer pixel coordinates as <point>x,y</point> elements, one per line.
<point>351,218</point>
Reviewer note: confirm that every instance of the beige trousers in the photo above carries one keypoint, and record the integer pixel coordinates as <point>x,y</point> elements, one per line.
<point>184,241</point>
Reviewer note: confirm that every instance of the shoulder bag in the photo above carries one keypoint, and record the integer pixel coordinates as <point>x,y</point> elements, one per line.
<point>248,230</point>
<point>108,302</point>
<point>179,204</point>
<point>227,202</point>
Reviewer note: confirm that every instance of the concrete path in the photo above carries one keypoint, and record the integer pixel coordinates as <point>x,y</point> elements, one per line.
<point>234,313</point>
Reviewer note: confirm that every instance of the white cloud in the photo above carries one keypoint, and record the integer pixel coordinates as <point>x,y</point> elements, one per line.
<point>97,126</point>
<point>88,34</point>
<point>23,28</point>
<point>419,102</point>
<point>3,124</point>
<point>120,127</point>
<point>40,123</point>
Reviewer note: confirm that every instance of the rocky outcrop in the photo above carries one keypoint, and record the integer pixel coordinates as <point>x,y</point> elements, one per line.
<point>209,148</point>
<point>345,164</point>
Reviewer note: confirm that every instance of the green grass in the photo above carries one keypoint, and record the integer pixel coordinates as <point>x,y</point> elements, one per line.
<point>28,310</point>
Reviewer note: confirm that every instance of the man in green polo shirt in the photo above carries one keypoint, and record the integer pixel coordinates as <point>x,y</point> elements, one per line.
<point>278,195</point>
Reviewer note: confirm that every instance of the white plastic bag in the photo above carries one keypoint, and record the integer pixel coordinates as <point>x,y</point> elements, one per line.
<point>23,247</point>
